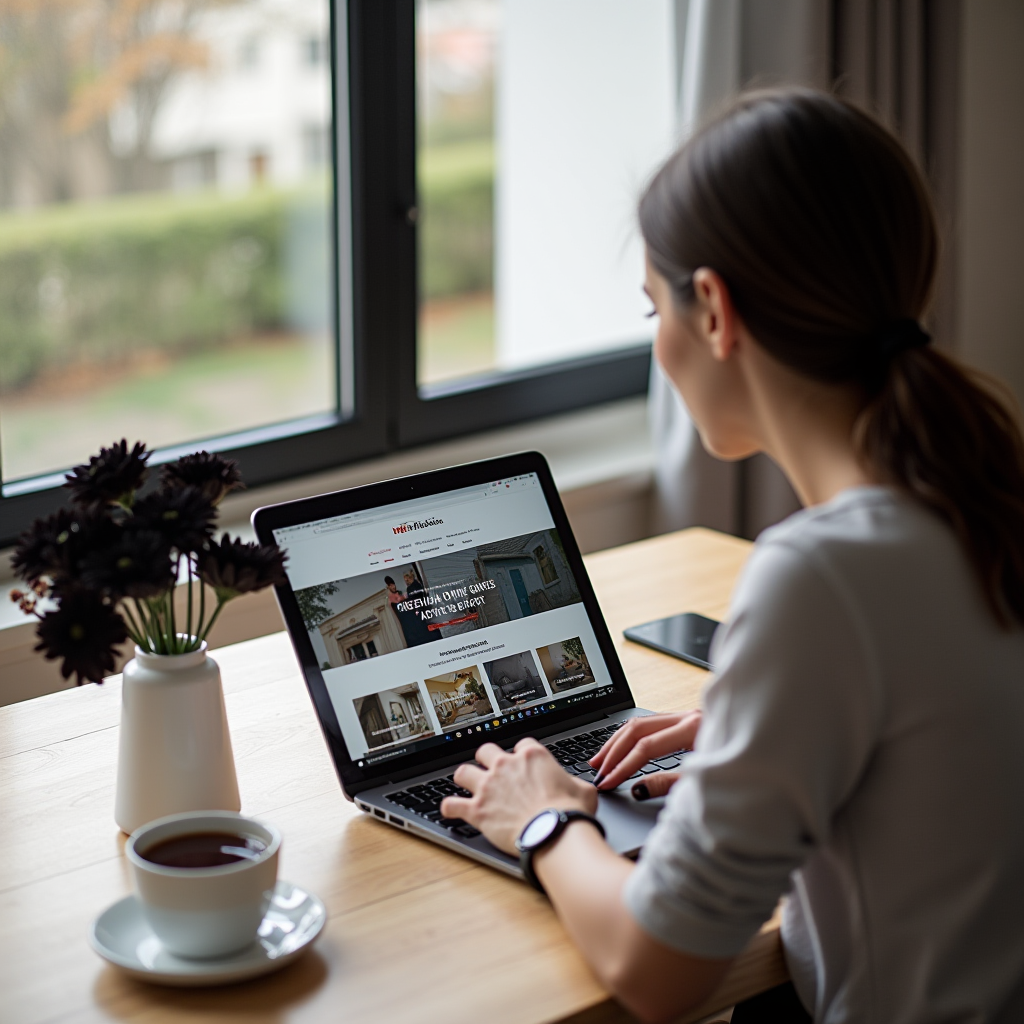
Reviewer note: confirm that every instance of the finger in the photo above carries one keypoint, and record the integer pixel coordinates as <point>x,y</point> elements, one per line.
<point>468,776</point>
<point>457,807</point>
<point>654,785</point>
<point>628,736</point>
<point>634,727</point>
<point>526,743</point>
<point>647,748</point>
<point>689,727</point>
<point>487,754</point>
<point>679,735</point>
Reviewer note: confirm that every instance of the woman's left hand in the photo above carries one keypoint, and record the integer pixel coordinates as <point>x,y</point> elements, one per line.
<point>509,788</point>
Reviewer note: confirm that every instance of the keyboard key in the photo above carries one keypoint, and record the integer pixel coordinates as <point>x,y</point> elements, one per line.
<point>666,763</point>
<point>466,831</point>
<point>582,766</point>
<point>649,769</point>
<point>450,822</point>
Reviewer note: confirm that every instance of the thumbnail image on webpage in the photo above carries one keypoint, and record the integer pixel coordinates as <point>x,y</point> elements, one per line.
<point>474,696</point>
<point>418,602</point>
<point>392,716</point>
<point>515,680</point>
<point>459,698</point>
<point>566,665</point>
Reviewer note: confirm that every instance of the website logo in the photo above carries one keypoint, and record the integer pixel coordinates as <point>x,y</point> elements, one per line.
<point>418,524</point>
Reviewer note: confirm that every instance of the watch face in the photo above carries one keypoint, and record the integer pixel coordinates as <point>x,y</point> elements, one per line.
<point>538,830</point>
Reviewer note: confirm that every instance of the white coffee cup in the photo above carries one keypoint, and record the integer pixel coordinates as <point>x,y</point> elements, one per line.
<point>209,911</point>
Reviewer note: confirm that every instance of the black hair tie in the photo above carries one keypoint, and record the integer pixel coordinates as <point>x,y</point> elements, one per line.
<point>899,336</point>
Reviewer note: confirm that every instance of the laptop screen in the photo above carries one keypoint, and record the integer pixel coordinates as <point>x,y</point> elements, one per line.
<point>444,617</point>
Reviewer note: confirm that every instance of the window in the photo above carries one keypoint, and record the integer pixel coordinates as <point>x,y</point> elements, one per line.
<point>316,147</point>
<point>314,51</point>
<point>538,122</point>
<point>249,53</point>
<point>420,228</point>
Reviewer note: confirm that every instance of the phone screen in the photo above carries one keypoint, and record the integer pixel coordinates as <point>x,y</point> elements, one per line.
<point>687,636</point>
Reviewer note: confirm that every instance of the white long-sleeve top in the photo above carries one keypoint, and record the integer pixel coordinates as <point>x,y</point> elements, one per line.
<point>863,750</point>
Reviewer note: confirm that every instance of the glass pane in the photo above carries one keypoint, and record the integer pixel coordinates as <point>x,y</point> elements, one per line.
<point>165,203</point>
<point>539,122</point>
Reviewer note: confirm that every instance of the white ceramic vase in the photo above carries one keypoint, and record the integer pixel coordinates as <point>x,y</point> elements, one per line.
<point>175,749</point>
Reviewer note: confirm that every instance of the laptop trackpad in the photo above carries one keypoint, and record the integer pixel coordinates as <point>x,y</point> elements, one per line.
<point>627,821</point>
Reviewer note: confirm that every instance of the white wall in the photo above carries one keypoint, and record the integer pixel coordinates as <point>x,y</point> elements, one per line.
<point>237,109</point>
<point>585,113</point>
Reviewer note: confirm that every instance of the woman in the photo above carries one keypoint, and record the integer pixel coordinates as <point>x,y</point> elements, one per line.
<point>862,742</point>
<point>414,629</point>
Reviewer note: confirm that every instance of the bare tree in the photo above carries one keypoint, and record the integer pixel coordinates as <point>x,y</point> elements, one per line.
<point>67,67</point>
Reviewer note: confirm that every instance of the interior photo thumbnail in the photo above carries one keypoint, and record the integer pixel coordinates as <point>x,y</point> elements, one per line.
<point>459,698</point>
<point>392,716</point>
<point>515,681</point>
<point>565,665</point>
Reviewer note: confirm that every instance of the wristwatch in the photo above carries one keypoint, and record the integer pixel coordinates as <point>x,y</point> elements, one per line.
<point>542,831</point>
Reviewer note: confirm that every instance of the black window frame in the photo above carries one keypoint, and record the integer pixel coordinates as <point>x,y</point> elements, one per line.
<point>380,408</point>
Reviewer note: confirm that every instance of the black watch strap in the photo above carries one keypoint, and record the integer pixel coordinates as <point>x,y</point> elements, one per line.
<point>527,852</point>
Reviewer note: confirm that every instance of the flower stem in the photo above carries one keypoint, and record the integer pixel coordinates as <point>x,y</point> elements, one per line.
<point>133,627</point>
<point>202,608</point>
<point>157,614</point>
<point>147,627</point>
<point>213,619</point>
<point>189,622</point>
<point>172,626</point>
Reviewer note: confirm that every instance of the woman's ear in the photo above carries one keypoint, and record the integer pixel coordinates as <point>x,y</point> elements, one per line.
<point>716,320</point>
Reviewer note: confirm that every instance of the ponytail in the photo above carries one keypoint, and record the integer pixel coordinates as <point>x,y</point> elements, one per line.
<point>821,227</point>
<point>941,433</point>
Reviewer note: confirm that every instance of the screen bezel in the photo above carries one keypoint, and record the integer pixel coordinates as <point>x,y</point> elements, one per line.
<point>425,485</point>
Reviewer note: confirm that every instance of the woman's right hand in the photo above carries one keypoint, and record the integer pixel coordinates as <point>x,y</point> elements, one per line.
<point>641,740</point>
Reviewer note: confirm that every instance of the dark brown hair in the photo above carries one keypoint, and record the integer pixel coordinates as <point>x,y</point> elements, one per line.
<point>821,227</point>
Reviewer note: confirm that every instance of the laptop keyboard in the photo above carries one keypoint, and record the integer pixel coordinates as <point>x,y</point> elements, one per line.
<point>572,753</point>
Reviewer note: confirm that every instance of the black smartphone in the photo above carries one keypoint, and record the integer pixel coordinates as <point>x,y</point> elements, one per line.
<point>687,636</point>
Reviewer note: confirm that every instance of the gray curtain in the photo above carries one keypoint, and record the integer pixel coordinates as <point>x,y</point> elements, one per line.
<point>896,58</point>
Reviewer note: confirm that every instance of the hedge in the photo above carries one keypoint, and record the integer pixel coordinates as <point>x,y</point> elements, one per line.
<point>457,216</point>
<point>90,283</point>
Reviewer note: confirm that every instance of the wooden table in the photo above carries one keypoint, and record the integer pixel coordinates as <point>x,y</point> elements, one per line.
<point>415,934</point>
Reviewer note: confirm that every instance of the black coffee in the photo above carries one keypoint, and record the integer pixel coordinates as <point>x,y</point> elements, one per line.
<point>204,850</point>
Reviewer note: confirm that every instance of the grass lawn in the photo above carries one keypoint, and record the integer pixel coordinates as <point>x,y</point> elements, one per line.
<point>66,416</point>
<point>456,338</point>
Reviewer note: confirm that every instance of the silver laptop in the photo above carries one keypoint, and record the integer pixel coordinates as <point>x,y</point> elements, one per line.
<point>436,612</point>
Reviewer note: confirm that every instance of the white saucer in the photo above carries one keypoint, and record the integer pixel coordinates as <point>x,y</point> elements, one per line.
<point>293,922</point>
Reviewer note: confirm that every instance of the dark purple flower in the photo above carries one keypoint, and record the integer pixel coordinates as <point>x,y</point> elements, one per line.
<point>184,518</point>
<point>234,567</point>
<point>112,477</point>
<point>52,548</point>
<point>84,632</point>
<point>213,475</point>
<point>45,549</point>
<point>139,566</point>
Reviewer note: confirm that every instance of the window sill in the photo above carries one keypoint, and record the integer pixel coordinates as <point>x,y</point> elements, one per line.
<point>602,461</point>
